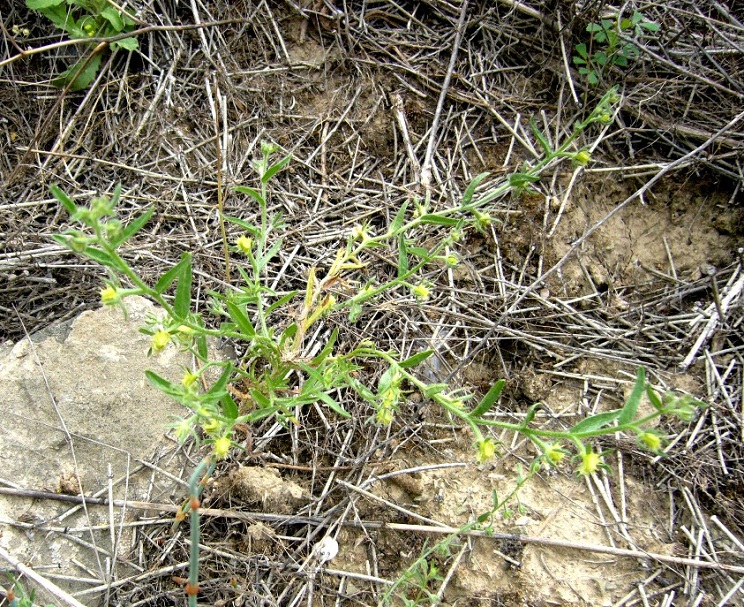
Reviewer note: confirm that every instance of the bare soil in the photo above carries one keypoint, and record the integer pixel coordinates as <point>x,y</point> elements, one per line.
<point>576,285</point>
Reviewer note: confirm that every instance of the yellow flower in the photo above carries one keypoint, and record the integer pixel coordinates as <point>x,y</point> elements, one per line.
<point>188,379</point>
<point>554,454</point>
<point>160,340</point>
<point>590,462</point>
<point>486,449</point>
<point>210,425</point>
<point>109,296</point>
<point>221,447</point>
<point>245,245</point>
<point>651,441</point>
<point>384,415</point>
<point>183,430</point>
<point>582,158</point>
<point>421,291</point>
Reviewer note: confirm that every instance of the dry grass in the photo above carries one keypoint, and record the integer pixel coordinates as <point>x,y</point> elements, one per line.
<point>370,101</point>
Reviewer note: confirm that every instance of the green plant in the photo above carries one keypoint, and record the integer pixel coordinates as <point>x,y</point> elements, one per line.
<point>83,19</point>
<point>612,48</point>
<point>416,585</point>
<point>276,377</point>
<point>17,596</point>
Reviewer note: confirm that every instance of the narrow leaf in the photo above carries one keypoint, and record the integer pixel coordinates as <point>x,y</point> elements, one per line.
<point>240,319</point>
<point>402,256</point>
<point>416,359</point>
<point>100,256</point>
<point>63,198</point>
<point>167,279</point>
<point>260,263</point>
<point>280,302</point>
<point>488,401</point>
<point>628,412</point>
<point>595,422</point>
<point>275,168</point>
<point>132,228</point>
<point>400,217</point>
<point>220,385</point>
<point>250,192</point>
<point>439,220</point>
<point>182,301</point>
<point>162,384</point>
<point>334,405</point>
<point>327,349</point>
<point>540,137</point>
<point>251,228</point>
<point>467,197</point>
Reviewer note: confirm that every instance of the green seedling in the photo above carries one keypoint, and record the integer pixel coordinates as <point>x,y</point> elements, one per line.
<point>18,597</point>
<point>609,46</point>
<point>277,376</point>
<point>83,19</point>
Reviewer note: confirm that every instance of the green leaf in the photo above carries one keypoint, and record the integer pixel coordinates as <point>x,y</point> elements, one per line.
<point>253,194</point>
<point>650,26</point>
<point>540,137</point>
<point>221,384</point>
<point>244,324</point>
<point>201,347</point>
<point>467,197</point>
<point>64,199</point>
<point>415,360</point>
<point>36,5</point>
<point>275,168</point>
<point>520,180</point>
<point>280,302</point>
<point>260,399</point>
<point>182,301</point>
<point>132,228</point>
<point>244,224</point>
<point>167,279</point>
<point>402,256</point>
<point>80,75</point>
<point>439,220</point>
<point>595,422</point>
<point>334,405</point>
<point>433,389</point>
<point>400,218</point>
<point>100,256</point>
<point>488,401</point>
<point>582,51</point>
<point>229,408</point>
<point>163,384</point>
<point>653,397</point>
<point>128,44</point>
<point>327,349</point>
<point>266,258</point>
<point>628,412</point>
<point>110,14</point>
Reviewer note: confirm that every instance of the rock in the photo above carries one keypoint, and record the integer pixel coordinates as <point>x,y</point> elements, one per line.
<point>75,403</point>
<point>254,485</point>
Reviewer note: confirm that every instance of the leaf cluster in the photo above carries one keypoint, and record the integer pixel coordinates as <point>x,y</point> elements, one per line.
<point>83,19</point>
<point>609,45</point>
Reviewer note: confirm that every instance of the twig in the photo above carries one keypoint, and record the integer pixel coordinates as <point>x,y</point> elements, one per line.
<point>44,583</point>
<point>426,165</point>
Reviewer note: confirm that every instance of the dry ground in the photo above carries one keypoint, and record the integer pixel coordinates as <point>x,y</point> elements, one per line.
<point>601,269</point>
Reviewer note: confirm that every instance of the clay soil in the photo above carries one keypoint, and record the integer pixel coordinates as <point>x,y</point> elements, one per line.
<point>633,260</point>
